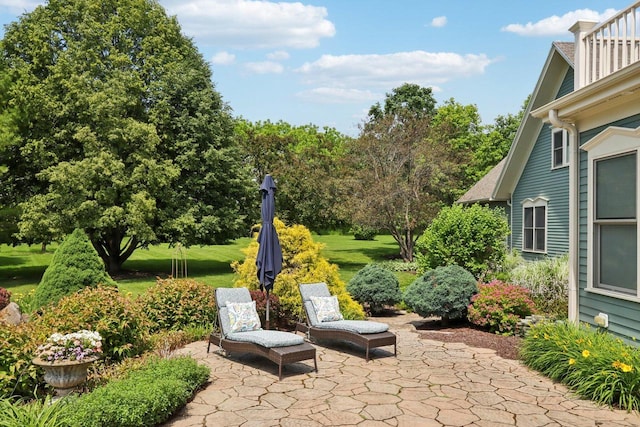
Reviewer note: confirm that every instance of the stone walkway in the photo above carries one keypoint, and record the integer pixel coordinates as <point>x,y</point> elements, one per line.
<point>429,383</point>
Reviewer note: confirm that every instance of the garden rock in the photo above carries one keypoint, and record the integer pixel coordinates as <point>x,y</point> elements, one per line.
<point>11,314</point>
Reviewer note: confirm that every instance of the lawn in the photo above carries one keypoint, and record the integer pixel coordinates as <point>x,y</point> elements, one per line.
<point>21,267</point>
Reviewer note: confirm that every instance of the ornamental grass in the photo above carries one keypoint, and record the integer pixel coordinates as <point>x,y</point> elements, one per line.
<point>593,363</point>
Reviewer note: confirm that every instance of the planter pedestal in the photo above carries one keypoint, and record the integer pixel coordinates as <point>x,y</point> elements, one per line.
<point>64,376</point>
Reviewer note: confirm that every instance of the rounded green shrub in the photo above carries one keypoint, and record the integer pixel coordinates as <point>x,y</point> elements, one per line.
<point>443,291</point>
<point>362,232</point>
<point>499,306</point>
<point>375,287</point>
<point>472,237</point>
<point>75,265</point>
<point>175,304</point>
<point>121,322</point>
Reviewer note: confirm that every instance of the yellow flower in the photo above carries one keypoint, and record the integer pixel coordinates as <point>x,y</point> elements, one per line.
<point>616,364</point>
<point>572,361</point>
<point>626,368</point>
<point>585,353</point>
<point>535,336</point>
<point>546,336</point>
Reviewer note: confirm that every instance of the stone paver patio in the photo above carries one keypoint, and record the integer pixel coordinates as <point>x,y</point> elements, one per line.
<point>429,383</point>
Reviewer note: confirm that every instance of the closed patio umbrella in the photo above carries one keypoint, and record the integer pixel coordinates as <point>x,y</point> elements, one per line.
<point>269,259</point>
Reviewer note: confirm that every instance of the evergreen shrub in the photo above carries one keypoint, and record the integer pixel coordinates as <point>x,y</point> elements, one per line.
<point>74,266</point>
<point>121,321</point>
<point>302,262</point>
<point>179,303</point>
<point>443,291</point>
<point>145,397</point>
<point>362,232</point>
<point>375,287</point>
<point>499,306</point>
<point>472,237</point>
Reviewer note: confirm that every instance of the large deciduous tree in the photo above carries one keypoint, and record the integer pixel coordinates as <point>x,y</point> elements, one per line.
<point>120,130</point>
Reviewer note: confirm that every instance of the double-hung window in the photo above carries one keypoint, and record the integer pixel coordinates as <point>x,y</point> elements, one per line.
<point>559,148</point>
<point>534,225</point>
<point>612,256</point>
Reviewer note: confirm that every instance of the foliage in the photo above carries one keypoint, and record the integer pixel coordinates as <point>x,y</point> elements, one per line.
<point>5,298</point>
<point>178,303</point>
<point>304,161</point>
<point>26,301</point>
<point>75,265</point>
<point>594,364</point>
<point>74,346</point>
<point>396,177</point>
<point>472,237</point>
<point>548,281</point>
<point>146,397</point>
<point>408,99</point>
<point>302,262</point>
<point>121,131</point>
<point>443,291</point>
<point>34,413</point>
<point>121,322</point>
<point>362,232</point>
<point>18,377</point>
<point>398,265</point>
<point>375,287</point>
<point>275,312</point>
<point>499,306</point>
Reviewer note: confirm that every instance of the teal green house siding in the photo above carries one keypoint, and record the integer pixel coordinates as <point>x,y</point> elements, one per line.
<point>624,315</point>
<point>540,180</point>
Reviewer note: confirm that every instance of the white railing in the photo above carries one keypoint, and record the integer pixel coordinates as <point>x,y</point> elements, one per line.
<point>612,45</point>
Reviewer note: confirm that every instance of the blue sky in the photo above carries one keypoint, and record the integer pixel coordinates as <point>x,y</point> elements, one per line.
<point>325,62</point>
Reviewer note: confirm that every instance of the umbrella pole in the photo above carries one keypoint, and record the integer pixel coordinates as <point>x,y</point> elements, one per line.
<point>267,315</point>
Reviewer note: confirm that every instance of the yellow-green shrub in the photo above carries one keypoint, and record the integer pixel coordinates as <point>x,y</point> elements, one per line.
<point>301,263</point>
<point>18,377</point>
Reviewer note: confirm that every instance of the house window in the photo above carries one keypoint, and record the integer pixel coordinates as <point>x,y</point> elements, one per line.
<point>534,225</point>
<point>559,148</point>
<point>615,223</point>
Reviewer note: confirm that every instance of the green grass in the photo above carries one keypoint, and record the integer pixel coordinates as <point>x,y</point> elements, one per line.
<point>21,267</point>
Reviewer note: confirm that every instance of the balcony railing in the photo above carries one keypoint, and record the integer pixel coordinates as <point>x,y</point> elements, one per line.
<point>612,45</point>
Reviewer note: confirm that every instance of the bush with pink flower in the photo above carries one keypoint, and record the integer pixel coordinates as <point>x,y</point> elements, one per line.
<point>76,346</point>
<point>499,306</point>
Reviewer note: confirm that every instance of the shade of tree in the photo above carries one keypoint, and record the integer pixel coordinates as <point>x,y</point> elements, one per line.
<point>120,131</point>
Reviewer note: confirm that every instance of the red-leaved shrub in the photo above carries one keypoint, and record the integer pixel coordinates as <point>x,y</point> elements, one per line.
<point>499,306</point>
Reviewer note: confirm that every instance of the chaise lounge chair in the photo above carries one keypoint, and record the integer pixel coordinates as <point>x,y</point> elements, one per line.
<point>240,332</point>
<point>324,321</point>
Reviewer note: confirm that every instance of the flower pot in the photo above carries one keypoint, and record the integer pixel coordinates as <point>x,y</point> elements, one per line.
<point>65,375</point>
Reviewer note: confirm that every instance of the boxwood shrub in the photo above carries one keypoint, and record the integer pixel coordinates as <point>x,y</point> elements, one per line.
<point>146,397</point>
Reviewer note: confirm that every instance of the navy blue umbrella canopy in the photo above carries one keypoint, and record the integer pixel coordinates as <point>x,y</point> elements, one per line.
<point>269,258</point>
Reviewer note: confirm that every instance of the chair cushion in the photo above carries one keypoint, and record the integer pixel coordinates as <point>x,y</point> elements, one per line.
<point>326,308</point>
<point>267,338</point>
<point>243,316</point>
<point>357,326</point>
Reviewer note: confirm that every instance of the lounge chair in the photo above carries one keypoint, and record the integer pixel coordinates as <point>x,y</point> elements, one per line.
<point>324,321</point>
<point>240,332</point>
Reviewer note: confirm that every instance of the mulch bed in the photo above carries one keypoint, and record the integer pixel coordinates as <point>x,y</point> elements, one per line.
<point>462,331</point>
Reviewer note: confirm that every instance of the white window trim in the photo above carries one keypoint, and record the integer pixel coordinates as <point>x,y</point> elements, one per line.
<point>533,203</point>
<point>565,148</point>
<point>613,141</point>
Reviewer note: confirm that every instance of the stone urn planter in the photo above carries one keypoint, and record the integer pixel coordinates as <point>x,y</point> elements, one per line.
<point>64,376</point>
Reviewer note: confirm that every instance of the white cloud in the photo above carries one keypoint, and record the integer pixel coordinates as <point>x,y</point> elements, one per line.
<point>265,67</point>
<point>558,25</point>
<point>278,55</point>
<point>333,95</point>
<point>392,70</point>
<point>20,6</point>
<point>439,21</point>
<point>223,58</point>
<point>252,23</point>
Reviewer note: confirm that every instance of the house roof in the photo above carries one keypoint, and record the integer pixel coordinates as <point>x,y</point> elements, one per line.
<point>483,189</point>
<point>559,60</point>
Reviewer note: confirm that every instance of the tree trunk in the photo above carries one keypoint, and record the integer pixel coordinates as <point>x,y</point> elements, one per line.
<point>112,253</point>
<point>43,247</point>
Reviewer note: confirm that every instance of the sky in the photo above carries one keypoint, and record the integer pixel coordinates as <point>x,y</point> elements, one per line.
<point>326,62</point>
